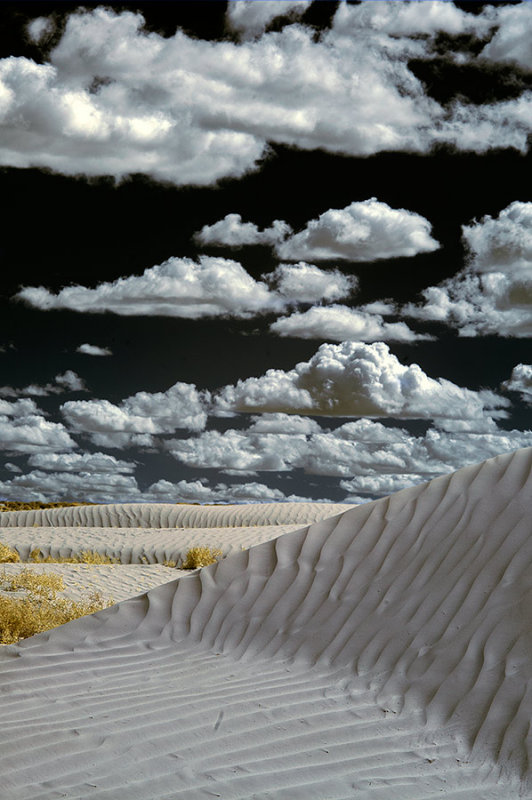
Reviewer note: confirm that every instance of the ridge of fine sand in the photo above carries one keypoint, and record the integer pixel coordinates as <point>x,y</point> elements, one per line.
<point>167,515</point>
<point>384,653</point>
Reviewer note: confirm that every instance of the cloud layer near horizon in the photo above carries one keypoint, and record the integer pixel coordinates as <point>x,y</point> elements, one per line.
<point>190,111</point>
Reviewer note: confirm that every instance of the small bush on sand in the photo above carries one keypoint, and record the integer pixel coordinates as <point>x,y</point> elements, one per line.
<point>86,557</point>
<point>200,557</point>
<point>37,607</point>
<point>7,554</point>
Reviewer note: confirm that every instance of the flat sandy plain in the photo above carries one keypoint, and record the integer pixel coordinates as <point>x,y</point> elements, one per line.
<point>381,651</point>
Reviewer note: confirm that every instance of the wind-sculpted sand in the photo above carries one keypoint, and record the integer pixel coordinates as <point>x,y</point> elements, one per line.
<point>382,653</point>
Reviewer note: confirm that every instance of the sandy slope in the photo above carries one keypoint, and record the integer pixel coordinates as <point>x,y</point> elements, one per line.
<point>383,653</point>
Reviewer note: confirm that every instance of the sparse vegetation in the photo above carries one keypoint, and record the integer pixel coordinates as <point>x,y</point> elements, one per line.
<point>200,557</point>
<point>85,557</point>
<point>37,607</point>
<point>18,505</point>
<point>7,554</point>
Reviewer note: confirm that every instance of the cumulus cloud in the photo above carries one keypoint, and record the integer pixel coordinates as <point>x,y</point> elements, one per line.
<point>511,42</point>
<point>232,232</point>
<point>93,350</point>
<point>118,488</point>
<point>520,381</point>
<point>363,231</point>
<point>179,287</point>
<point>68,381</point>
<point>340,323</point>
<point>211,287</point>
<point>250,18</point>
<point>23,429</point>
<point>355,379</point>
<point>81,462</point>
<point>371,458</point>
<point>306,283</point>
<point>493,294</point>
<point>190,111</point>
<point>138,418</point>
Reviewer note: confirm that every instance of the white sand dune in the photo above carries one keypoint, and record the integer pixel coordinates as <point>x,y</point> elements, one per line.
<point>167,515</point>
<point>385,653</point>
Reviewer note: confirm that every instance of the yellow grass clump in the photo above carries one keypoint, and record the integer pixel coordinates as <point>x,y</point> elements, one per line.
<point>7,554</point>
<point>200,557</point>
<point>37,607</point>
<point>85,557</point>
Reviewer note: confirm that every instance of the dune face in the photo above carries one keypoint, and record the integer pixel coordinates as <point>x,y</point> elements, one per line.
<point>167,515</point>
<point>385,652</point>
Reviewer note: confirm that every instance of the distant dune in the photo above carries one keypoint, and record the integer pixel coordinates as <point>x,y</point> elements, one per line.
<point>382,653</point>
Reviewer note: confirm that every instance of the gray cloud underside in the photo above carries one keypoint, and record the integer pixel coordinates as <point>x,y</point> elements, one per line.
<point>190,111</point>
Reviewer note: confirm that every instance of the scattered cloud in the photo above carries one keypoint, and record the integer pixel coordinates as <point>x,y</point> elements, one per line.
<point>493,294</point>
<point>520,381</point>
<point>81,462</point>
<point>190,111</point>
<point>23,429</point>
<point>250,18</point>
<point>306,283</point>
<point>138,418</point>
<point>363,231</point>
<point>341,323</point>
<point>102,487</point>
<point>355,379</point>
<point>371,458</point>
<point>68,381</point>
<point>93,350</point>
<point>211,287</point>
<point>179,287</point>
<point>232,232</point>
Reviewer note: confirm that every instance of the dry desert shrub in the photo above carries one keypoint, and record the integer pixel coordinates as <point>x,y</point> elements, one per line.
<point>19,505</point>
<point>7,554</point>
<point>85,557</point>
<point>36,606</point>
<point>200,557</point>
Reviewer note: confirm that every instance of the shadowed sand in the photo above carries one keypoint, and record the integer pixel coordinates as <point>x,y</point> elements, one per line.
<point>382,653</point>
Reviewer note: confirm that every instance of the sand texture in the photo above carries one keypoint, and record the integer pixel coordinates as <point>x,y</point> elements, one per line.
<point>166,515</point>
<point>384,653</point>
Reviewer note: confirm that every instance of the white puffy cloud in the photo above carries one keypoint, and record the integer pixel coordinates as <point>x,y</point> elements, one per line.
<point>306,283</point>
<point>511,42</point>
<point>93,350</point>
<point>493,294</point>
<point>68,381</point>
<point>81,462</point>
<point>39,28</point>
<point>115,100</point>
<point>250,18</point>
<point>179,287</point>
<point>371,458</point>
<point>232,232</point>
<point>139,417</point>
<point>407,19</point>
<point>283,423</point>
<point>502,244</point>
<point>23,429</point>
<point>118,488</point>
<point>355,379</point>
<point>341,323</point>
<point>362,231</point>
<point>520,381</point>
